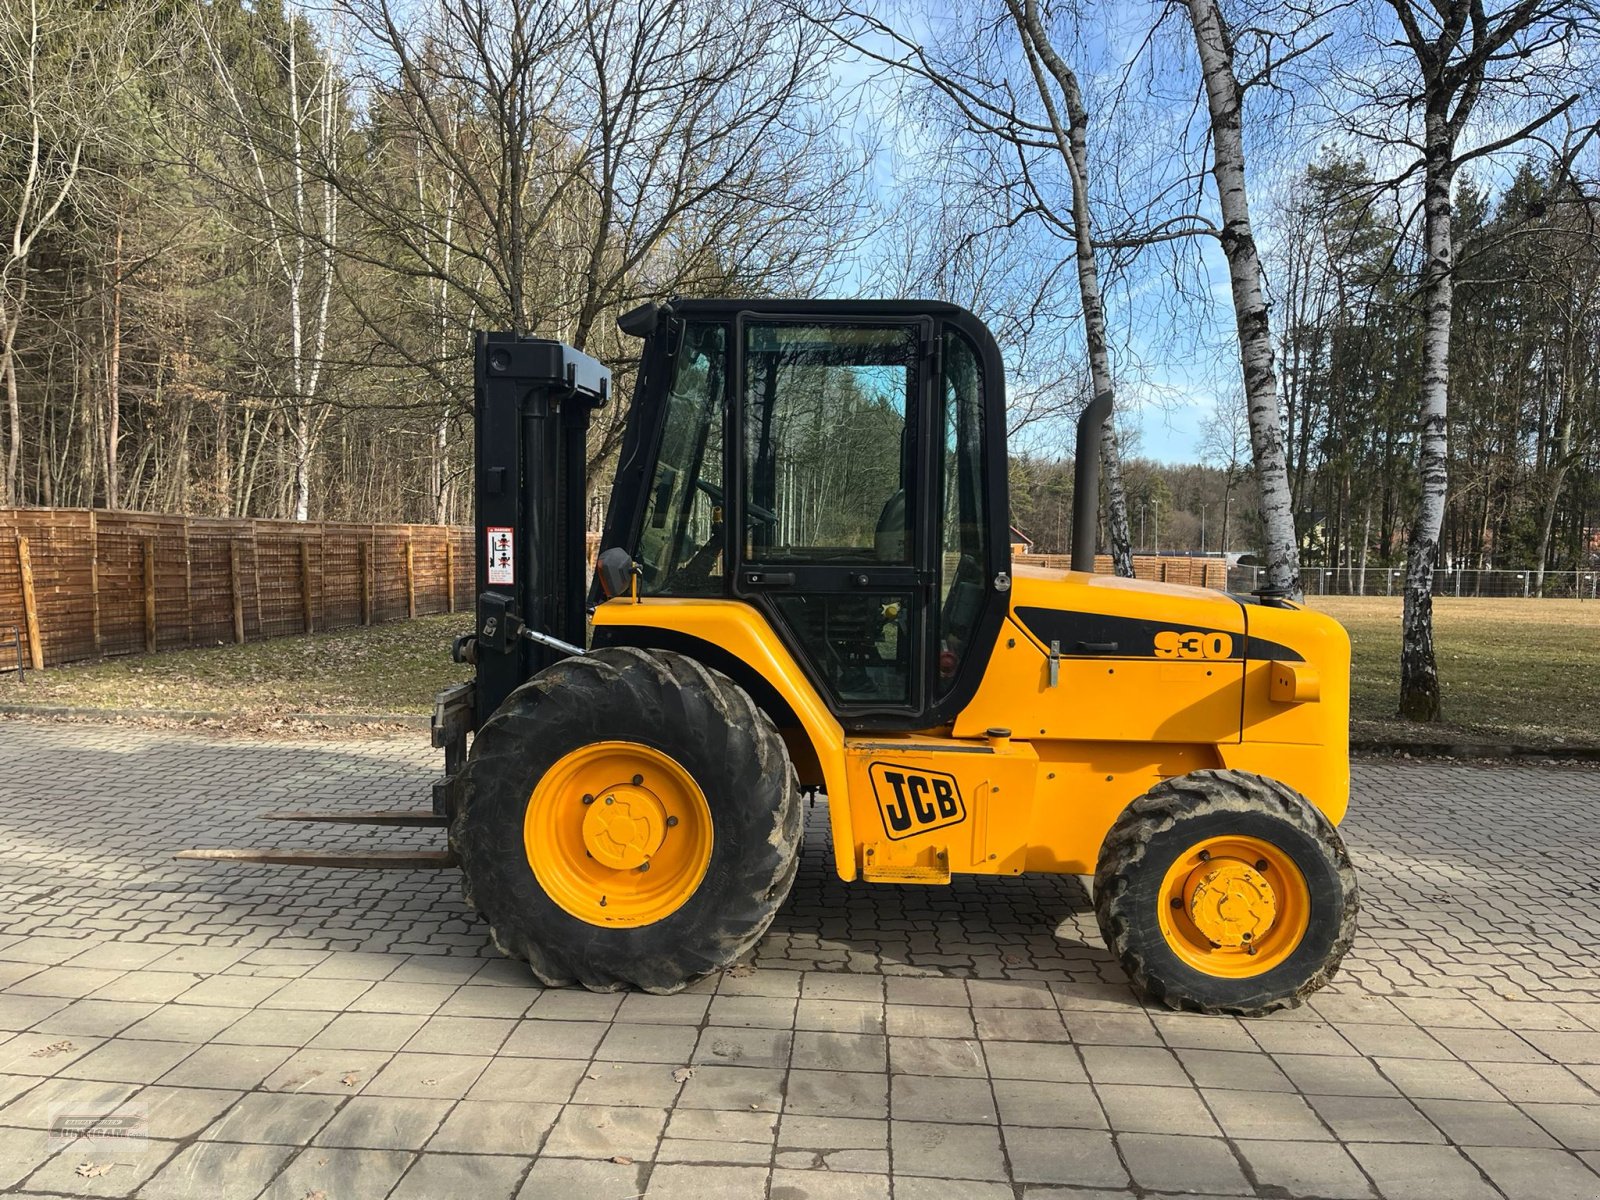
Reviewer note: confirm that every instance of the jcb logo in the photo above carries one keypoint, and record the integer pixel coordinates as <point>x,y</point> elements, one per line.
<point>1172,644</point>
<point>913,802</point>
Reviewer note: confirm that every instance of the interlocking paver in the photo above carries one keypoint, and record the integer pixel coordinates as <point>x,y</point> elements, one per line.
<point>1422,1172</point>
<point>479,1176</point>
<point>1375,1119</point>
<point>1143,1108</point>
<point>816,1185</point>
<point>559,1177</point>
<point>1082,1157</point>
<point>384,1123</point>
<point>264,1013</point>
<point>495,1127</point>
<point>1033,1102</point>
<point>824,1051</point>
<point>1267,1116</point>
<point>599,1131</point>
<point>941,1098</point>
<point>263,1117</point>
<point>1320,1169</point>
<point>179,1112</point>
<point>73,1172</point>
<point>95,1018</point>
<point>650,1084</point>
<point>743,1046</point>
<point>1478,1123</point>
<point>1524,1174</point>
<point>948,1151</point>
<point>1170,1163</point>
<point>320,1170</point>
<point>837,1094</point>
<point>555,1039</point>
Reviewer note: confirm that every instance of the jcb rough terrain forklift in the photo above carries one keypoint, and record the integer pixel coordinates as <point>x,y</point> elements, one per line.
<point>805,585</point>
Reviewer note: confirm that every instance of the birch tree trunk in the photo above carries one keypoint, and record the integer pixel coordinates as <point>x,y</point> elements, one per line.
<point>114,380</point>
<point>8,373</point>
<point>1419,668</point>
<point>1072,140</point>
<point>303,239</point>
<point>1224,101</point>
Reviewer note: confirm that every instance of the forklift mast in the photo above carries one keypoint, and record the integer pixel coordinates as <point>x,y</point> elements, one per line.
<point>532,398</point>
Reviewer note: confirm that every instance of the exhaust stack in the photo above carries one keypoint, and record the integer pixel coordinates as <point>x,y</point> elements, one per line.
<point>1086,480</point>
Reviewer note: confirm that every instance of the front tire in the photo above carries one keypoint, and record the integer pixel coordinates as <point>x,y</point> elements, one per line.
<point>1226,892</point>
<point>627,819</point>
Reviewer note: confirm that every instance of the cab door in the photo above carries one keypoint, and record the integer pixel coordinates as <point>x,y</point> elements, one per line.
<point>865,475</point>
<point>829,478</point>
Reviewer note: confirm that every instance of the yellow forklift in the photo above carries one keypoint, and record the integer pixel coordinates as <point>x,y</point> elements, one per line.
<point>805,588</point>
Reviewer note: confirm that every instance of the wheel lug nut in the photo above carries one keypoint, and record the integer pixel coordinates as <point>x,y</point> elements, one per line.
<point>1205,855</point>
<point>1177,902</point>
<point>637,780</point>
<point>611,799</point>
<point>671,822</point>
<point>644,866</point>
<point>1261,864</point>
<point>588,799</point>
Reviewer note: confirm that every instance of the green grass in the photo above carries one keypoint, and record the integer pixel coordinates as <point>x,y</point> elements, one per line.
<point>1524,671</point>
<point>386,669</point>
<point>1512,670</point>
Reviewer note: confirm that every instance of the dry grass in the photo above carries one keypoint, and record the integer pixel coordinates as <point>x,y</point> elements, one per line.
<point>1511,670</point>
<point>385,669</point>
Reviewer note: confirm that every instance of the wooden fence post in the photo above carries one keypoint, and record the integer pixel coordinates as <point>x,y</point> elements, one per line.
<point>236,588</point>
<point>449,571</point>
<point>411,577</point>
<point>94,579</point>
<point>30,606</point>
<point>188,587</point>
<point>149,595</point>
<point>305,584</point>
<point>365,556</point>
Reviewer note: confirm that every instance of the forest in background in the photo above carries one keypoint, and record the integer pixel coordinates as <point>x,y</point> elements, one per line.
<point>245,249</point>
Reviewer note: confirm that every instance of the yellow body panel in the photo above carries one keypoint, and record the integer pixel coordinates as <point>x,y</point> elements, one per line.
<point>1150,681</point>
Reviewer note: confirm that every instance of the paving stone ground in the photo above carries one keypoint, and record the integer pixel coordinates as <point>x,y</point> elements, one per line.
<point>310,1035</point>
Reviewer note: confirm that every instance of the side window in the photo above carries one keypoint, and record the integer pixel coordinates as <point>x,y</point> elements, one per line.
<point>680,542</point>
<point>827,446</point>
<point>962,520</point>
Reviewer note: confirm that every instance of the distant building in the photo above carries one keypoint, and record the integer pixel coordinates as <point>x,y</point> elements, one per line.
<point>1021,543</point>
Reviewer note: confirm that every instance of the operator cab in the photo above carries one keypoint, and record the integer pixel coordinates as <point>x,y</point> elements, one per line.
<point>838,465</point>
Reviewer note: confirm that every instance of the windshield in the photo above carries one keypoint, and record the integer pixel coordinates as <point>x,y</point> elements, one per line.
<point>680,542</point>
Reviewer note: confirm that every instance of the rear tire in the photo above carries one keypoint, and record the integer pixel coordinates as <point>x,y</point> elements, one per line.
<point>701,747</point>
<point>1161,896</point>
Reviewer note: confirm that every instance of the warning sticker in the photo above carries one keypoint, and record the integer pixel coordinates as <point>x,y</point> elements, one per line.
<point>502,554</point>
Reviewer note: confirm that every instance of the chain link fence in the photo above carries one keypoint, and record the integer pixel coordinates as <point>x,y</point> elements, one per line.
<point>1390,581</point>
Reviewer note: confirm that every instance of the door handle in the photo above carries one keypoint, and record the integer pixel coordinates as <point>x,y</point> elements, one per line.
<point>769,578</point>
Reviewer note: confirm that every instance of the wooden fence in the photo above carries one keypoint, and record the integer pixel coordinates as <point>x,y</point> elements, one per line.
<point>1196,572</point>
<point>80,584</point>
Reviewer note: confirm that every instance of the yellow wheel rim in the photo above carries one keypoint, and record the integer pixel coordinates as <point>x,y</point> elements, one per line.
<point>618,834</point>
<point>1234,906</point>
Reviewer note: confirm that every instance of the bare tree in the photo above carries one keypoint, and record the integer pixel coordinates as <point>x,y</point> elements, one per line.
<point>587,155</point>
<point>1047,119</point>
<point>300,215</point>
<point>62,67</point>
<point>1225,443</point>
<point>1512,71</point>
<point>1225,104</point>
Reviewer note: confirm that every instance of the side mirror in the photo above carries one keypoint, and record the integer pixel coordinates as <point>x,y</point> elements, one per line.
<point>616,570</point>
